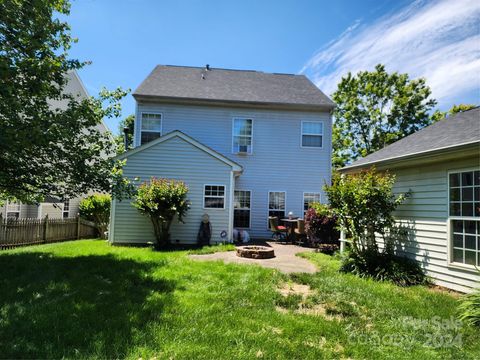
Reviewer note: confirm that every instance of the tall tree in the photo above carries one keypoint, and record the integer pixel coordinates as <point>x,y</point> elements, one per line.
<point>375,109</point>
<point>44,149</point>
<point>455,109</point>
<point>125,127</point>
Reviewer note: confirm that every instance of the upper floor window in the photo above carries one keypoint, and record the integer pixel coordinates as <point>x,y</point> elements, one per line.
<point>312,134</point>
<point>464,210</point>
<point>151,127</point>
<point>214,197</point>
<point>242,135</point>
<point>309,198</point>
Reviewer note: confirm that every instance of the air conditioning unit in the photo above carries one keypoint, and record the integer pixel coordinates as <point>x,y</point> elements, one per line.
<point>242,149</point>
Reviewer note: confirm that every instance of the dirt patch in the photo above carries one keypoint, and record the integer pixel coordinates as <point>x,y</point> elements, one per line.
<point>296,289</point>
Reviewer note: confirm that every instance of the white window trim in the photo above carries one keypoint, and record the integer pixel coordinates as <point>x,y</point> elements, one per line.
<point>302,133</point>
<point>233,135</point>
<point>151,131</point>
<point>268,205</point>
<point>63,209</point>
<point>450,262</point>
<point>249,209</point>
<point>215,196</point>
<point>310,192</point>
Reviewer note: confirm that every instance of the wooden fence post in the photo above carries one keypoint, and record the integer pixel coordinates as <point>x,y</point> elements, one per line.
<point>45,229</point>
<point>78,226</point>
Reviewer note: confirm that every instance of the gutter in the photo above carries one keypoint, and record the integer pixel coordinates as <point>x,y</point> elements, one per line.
<point>396,159</point>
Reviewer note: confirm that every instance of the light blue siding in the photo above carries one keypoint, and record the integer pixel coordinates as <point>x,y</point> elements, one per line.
<point>173,159</point>
<point>278,162</point>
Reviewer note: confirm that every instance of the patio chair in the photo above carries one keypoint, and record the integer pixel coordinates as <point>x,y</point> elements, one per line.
<point>278,231</point>
<point>300,233</point>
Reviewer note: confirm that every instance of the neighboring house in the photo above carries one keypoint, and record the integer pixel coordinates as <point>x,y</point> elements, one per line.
<point>248,144</point>
<point>440,165</point>
<point>53,207</point>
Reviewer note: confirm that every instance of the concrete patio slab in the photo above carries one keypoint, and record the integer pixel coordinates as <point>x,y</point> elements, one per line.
<point>285,259</point>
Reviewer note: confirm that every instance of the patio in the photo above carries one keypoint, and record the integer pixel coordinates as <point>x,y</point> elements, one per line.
<point>285,259</point>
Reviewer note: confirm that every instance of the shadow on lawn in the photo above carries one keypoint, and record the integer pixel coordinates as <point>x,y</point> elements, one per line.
<point>54,307</point>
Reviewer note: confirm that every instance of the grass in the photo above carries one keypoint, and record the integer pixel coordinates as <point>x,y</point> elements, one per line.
<point>86,299</point>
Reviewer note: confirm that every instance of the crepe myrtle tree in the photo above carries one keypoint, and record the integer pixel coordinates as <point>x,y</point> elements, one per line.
<point>364,203</point>
<point>161,200</point>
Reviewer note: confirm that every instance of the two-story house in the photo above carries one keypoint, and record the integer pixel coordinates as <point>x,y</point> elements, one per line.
<point>248,144</point>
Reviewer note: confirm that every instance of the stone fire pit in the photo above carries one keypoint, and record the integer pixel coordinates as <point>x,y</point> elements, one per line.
<point>255,252</point>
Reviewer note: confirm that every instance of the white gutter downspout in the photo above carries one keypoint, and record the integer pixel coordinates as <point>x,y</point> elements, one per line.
<point>230,207</point>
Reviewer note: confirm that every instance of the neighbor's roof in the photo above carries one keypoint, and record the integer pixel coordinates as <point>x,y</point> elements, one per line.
<point>232,86</point>
<point>454,131</point>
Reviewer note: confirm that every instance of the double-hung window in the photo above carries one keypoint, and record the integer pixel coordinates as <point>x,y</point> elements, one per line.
<point>312,134</point>
<point>151,127</point>
<point>276,204</point>
<point>241,205</point>
<point>309,198</point>
<point>464,211</point>
<point>214,197</point>
<point>242,136</point>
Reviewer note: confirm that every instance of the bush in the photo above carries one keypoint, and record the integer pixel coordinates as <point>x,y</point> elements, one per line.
<point>469,308</point>
<point>161,200</point>
<point>96,208</point>
<point>320,224</point>
<point>384,267</point>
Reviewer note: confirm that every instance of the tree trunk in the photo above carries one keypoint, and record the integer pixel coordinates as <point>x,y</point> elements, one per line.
<point>162,232</point>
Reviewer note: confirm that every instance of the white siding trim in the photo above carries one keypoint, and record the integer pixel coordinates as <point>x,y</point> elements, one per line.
<point>111,231</point>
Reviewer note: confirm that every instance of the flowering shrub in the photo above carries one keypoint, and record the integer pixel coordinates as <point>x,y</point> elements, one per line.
<point>320,223</point>
<point>161,200</point>
<point>96,208</point>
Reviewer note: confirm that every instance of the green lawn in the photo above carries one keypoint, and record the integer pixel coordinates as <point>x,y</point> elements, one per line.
<point>86,299</point>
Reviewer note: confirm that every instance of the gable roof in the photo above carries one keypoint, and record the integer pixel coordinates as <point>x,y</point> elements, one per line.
<point>177,133</point>
<point>455,131</point>
<point>185,83</point>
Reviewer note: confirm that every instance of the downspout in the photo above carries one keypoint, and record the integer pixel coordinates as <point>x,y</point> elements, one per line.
<point>230,207</point>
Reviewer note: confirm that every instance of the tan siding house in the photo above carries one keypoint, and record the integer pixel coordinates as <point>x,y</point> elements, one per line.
<point>440,166</point>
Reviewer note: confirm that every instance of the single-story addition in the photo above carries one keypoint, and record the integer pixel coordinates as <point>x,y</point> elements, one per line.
<point>440,165</point>
<point>178,156</point>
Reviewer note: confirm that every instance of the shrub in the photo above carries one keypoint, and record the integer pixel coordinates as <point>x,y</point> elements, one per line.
<point>384,267</point>
<point>96,208</point>
<point>364,203</point>
<point>469,308</point>
<point>320,224</point>
<point>161,200</point>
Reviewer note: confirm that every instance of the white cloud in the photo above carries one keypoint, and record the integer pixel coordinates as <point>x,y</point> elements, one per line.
<point>437,40</point>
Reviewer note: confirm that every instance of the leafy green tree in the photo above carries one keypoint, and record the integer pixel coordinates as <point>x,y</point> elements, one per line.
<point>96,208</point>
<point>375,109</point>
<point>129,124</point>
<point>455,109</point>
<point>45,150</point>
<point>161,200</point>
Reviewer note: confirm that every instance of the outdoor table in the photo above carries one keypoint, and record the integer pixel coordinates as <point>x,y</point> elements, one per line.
<point>290,224</point>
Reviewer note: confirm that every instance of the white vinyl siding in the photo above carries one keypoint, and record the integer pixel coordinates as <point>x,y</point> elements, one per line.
<point>151,127</point>
<point>425,218</point>
<point>241,205</point>
<point>173,159</point>
<point>13,210</point>
<point>312,134</point>
<point>242,136</point>
<point>277,161</point>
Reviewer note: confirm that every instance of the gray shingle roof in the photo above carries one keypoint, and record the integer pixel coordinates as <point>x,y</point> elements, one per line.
<point>458,129</point>
<point>236,86</point>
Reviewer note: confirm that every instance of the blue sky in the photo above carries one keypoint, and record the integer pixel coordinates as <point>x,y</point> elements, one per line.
<point>125,39</point>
